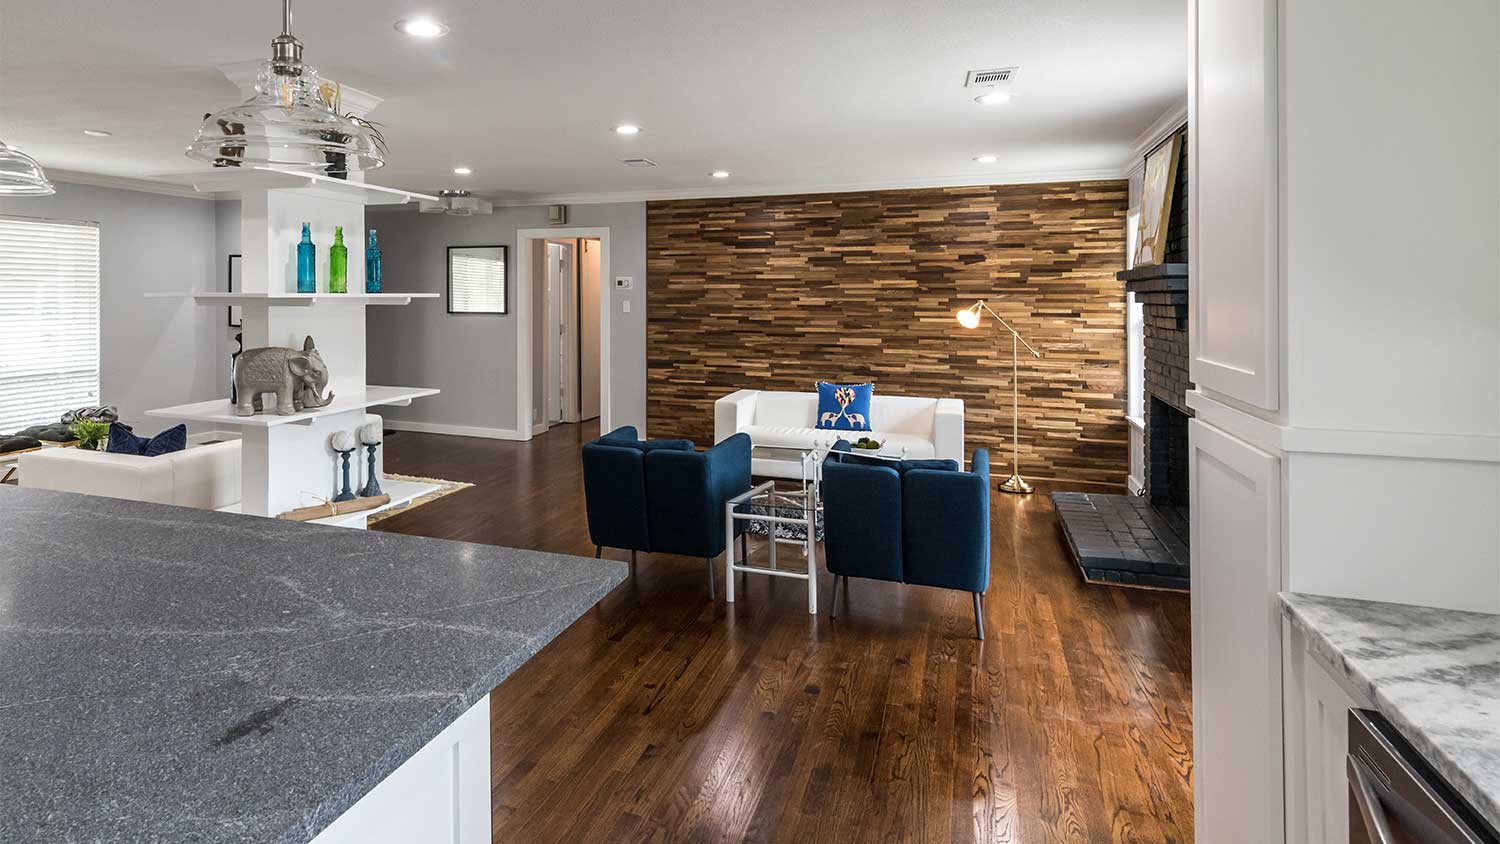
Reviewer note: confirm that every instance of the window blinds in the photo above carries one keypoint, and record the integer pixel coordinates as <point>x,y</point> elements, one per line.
<point>49,320</point>
<point>477,284</point>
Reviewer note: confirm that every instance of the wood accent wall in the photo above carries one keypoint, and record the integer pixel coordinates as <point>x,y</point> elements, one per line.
<point>779,292</point>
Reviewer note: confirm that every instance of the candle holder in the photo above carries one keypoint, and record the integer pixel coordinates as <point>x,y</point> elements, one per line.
<point>343,446</point>
<point>370,435</point>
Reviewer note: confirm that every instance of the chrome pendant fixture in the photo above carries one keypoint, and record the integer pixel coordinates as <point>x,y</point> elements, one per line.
<point>294,121</point>
<point>20,175</point>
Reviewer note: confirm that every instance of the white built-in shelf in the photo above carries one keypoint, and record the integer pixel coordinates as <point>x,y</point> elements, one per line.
<point>294,300</point>
<point>219,412</point>
<point>401,493</point>
<point>227,180</point>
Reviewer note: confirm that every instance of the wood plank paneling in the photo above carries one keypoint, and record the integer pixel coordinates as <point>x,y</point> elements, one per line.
<point>779,292</point>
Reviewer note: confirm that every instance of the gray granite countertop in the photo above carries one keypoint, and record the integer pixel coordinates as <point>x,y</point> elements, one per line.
<point>1434,674</point>
<point>180,675</point>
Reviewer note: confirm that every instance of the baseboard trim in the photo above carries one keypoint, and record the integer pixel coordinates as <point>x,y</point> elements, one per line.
<point>1135,486</point>
<point>454,430</point>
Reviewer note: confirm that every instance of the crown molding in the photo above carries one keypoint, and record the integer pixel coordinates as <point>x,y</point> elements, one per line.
<point>98,180</point>
<point>970,180</point>
<point>243,75</point>
<point>1170,121</point>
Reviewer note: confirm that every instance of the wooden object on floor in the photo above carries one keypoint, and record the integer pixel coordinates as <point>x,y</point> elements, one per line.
<point>779,292</point>
<point>663,716</point>
<point>334,508</point>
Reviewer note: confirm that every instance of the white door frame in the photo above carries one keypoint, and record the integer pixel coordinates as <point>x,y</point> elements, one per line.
<point>524,305</point>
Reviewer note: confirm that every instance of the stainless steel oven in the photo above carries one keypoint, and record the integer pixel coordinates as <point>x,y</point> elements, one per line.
<point>1396,798</point>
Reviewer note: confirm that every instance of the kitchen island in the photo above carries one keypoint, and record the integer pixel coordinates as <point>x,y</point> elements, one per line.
<point>181,675</point>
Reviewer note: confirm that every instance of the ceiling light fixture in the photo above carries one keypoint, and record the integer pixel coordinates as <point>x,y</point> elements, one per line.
<point>462,171</point>
<point>97,133</point>
<point>993,98</point>
<point>293,121</point>
<point>986,159</point>
<point>421,27</point>
<point>626,129</point>
<point>20,175</point>
<point>720,174</point>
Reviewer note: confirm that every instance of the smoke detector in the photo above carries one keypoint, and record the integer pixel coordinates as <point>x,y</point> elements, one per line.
<point>990,78</point>
<point>455,203</point>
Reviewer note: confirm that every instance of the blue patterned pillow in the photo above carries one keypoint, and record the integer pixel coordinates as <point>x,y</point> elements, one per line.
<point>122,441</point>
<point>844,407</point>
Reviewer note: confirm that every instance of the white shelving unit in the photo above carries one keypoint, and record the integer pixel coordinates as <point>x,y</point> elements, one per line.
<point>252,300</point>
<point>288,461</point>
<point>401,493</point>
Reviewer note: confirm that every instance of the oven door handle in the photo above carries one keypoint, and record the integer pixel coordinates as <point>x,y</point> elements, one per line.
<point>1368,802</point>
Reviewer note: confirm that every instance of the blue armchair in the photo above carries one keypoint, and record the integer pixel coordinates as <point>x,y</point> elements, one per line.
<point>922,522</point>
<point>661,496</point>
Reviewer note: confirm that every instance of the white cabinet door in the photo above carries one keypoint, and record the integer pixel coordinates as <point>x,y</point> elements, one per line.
<point>1234,271</point>
<point>1236,574</point>
<point>1317,741</point>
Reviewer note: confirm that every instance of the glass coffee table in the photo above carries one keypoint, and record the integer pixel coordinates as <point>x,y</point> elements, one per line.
<point>786,513</point>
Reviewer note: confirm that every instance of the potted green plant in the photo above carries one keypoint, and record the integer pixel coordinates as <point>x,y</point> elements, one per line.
<point>90,433</point>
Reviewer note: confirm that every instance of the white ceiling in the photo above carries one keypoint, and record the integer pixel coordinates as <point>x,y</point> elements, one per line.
<point>789,95</point>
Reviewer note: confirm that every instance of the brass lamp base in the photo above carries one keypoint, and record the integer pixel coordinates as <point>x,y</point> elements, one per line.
<point>1015,484</point>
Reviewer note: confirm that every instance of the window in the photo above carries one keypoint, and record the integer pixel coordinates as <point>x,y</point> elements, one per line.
<point>49,320</point>
<point>476,280</point>
<point>1135,335</point>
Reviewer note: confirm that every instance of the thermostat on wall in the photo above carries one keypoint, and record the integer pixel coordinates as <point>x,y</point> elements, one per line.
<point>623,282</point>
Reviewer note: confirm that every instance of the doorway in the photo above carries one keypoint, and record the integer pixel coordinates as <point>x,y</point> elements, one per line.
<point>563,367</point>
<point>567,366</point>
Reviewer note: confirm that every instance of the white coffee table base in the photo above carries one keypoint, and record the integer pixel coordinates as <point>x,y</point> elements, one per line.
<point>771,519</point>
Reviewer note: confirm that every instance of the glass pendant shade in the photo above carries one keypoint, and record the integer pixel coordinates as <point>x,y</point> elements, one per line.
<point>291,122</point>
<point>20,175</point>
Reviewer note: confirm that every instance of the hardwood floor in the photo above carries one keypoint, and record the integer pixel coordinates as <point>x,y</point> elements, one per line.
<point>661,716</point>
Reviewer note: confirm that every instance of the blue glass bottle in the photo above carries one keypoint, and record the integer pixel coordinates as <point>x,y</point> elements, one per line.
<point>372,265</point>
<point>307,264</point>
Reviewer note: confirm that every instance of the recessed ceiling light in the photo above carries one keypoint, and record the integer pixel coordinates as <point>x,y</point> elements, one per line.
<point>97,133</point>
<point>462,171</point>
<point>986,159</point>
<point>421,27</point>
<point>720,174</point>
<point>993,98</point>
<point>627,129</point>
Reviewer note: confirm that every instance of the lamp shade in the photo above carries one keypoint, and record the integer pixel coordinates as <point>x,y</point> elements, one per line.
<point>292,122</point>
<point>20,175</point>
<point>968,317</point>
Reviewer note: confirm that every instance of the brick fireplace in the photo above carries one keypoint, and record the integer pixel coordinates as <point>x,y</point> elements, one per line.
<point>1143,541</point>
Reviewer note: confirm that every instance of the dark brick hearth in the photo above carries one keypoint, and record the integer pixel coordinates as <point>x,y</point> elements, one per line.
<point>1144,541</point>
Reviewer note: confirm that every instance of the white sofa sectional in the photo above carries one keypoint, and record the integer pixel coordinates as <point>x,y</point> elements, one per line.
<point>203,476</point>
<point>917,427</point>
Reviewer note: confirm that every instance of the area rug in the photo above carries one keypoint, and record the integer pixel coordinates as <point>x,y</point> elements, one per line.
<point>446,488</point>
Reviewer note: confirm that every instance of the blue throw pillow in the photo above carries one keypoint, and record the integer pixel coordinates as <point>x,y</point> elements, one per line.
<point>844,407</point>
<point>122,441</point>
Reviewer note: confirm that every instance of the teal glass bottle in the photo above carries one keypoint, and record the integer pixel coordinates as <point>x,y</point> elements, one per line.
<point>307,263</point>
<point>338,263</point>
<point>372,265</point>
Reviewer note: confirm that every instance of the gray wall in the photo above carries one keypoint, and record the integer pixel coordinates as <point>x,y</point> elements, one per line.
<point>472,358</point>
<point>153,352</point>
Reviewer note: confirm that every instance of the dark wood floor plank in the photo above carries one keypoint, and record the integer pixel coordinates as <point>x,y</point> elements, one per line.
<point>662,716</point>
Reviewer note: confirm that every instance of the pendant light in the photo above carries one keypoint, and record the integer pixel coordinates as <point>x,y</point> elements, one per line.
<point>293,121</point>
<point>20,175</point>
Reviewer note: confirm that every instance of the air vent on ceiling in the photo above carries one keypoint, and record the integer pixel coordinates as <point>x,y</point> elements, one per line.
<point>637,162</point>
<point>989,78</point>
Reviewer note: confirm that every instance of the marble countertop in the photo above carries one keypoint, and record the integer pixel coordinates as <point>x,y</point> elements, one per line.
<point>179,675</point>
<point>1434,674</point>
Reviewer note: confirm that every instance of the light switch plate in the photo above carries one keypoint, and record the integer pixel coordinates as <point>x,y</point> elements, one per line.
<point>623,282</point>
<point>626,303</point>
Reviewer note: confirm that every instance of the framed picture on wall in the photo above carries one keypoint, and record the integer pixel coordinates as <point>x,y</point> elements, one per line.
<point>236,318</point>
<point>476,280</point>
<point>1156,202</point>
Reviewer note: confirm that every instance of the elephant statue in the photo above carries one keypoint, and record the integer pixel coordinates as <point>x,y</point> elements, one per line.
<point>298,379</point>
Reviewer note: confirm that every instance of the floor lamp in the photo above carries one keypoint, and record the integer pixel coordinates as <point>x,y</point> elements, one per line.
<point>969,318</point>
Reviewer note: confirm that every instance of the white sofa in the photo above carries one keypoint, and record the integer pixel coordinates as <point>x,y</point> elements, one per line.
<point>203,476</point>
<point>916,427</point>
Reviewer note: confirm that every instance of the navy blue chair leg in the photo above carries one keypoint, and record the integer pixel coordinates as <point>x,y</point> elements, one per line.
<point>978,617</point>
<point>833,607</point>
<point>598,551</point>
<point>710,562</point>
